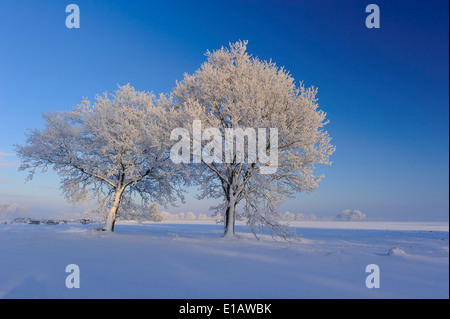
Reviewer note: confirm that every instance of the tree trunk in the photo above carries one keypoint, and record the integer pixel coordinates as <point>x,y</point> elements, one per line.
<point>112,214</point>
<point>230,218</point>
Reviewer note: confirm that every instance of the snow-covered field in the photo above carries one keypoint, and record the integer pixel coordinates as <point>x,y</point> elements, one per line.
<point>191,260</point>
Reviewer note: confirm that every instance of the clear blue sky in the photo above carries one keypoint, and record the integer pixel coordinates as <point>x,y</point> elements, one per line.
<point>385,90</point>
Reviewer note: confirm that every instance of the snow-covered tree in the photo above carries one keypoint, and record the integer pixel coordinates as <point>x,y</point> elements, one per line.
<point>190,216</point>
<point>288,216</point>
<point>154,214</point>
<point>114,150</point>
<point>233,91</point>
<point>351,215</point>
<point>166,216</point>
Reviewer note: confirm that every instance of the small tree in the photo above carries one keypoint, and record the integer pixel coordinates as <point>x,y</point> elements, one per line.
<point>113,150</point>
<point>190,216</point>
<point>351,215</point>
<point>232,92</point>
<point>154,214</point>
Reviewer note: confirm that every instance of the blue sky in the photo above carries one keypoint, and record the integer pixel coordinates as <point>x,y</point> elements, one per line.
<point>385,90</point>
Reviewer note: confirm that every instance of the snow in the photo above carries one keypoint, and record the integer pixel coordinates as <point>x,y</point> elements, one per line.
<point>192,260</point>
